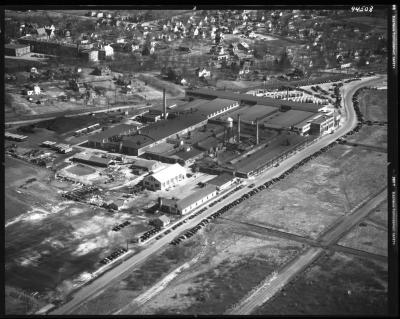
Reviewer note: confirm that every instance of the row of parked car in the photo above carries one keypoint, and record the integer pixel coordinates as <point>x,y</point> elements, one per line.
<point>120,226</point>
<point>113,256</point>
<point>226,195</point>
<point>254,191</point>
<point>150,233</point>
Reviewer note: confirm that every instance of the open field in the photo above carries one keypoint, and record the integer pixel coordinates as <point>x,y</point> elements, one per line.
<point>124,291</point>
<point>317,193</point>
<point>235,260</point>
<point>367,237</point>
<point>380,215</point>
<point>335,285</point>
<point>20,195</point>
<point>370,135</point>
<point>228,250</point>
<point>373,104</point>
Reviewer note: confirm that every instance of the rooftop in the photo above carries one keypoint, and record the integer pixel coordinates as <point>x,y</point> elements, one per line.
<point>15,46</point>
<point>248,98</point>
<point>120,129</point>
<point>196,196</point>
<point>288,118</point>
<point>221,179</point>
<point>168,172</point>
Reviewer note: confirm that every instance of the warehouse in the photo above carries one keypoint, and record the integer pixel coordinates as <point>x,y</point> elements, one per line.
<point>16,49</point>
<point>92,160</point>
<point>222,181</point>
<point>100,139</point>
<point>15,137</point>
<point>322,124</point>
<point>187,204</point>
<point>217,107</point>
<point>159,132</point>
<point>289,118</point>
<point>165,178</point>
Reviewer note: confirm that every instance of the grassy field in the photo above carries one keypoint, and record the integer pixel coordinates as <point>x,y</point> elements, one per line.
<point>18,200</point>
<point>367,237</point>
<point>380,215</point>
<point>370,135</point>
<point>317,193</point>
<point>334,285</point>
<point>124,291</point>
<point>235,260</point>
<point>373,105</point>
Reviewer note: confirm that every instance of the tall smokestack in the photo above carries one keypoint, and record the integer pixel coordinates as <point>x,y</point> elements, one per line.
<point>238,129</point>
<point>257,134</point>
<point>164,105</point>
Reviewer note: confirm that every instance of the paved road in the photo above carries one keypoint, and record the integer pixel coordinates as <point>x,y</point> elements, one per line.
<point>88,291</point>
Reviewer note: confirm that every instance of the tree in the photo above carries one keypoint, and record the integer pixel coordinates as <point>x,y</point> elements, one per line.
<point>284,62</point>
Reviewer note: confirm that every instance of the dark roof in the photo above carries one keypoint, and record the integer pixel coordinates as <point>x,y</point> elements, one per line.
<point>99,160</point>
<point>288,118</point>
<point>221,179</point>
<point>165,128</point>
<point>185,155</point>
<point>113,131</point>
<point>15,46</point>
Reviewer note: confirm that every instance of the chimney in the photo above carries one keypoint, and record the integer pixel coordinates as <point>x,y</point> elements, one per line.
<point>238,129</point>
<point>257,134</point>
<point>164,104</point>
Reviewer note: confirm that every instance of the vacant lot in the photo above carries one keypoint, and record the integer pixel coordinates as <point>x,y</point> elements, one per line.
<point>317,193</point>
<point>367,237</point>
<point>370,135</point>
<point>380,215</point>
<point>154,269</point>
<point>235,260</point>
<point>20,195</point>
<point>334,285</point>
<point>373,104</point>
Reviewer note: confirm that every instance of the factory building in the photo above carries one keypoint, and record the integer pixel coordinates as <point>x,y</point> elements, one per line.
<point>222,181</point>
<point>165,178</point>
<point>189,203</point>
<point>92,160</point>
<point>251,99</point>
<point>322,124</point>
<point>15,137</point>
<point>16,49</point>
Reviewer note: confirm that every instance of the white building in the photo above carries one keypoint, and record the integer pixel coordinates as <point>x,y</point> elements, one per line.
<point>189,203</point>
<point>164,178</point>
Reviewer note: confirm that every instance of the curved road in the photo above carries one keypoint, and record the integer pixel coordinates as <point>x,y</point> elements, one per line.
<point>93,288</point>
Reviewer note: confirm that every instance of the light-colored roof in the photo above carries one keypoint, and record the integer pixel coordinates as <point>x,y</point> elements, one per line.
<point>193,198</point>
<point>168,172</point>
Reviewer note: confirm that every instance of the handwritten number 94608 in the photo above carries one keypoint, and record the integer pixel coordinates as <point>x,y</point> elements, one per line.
<point>362,9</point>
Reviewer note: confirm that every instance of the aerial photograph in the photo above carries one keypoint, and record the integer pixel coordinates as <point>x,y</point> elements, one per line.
<point>196,161</point>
